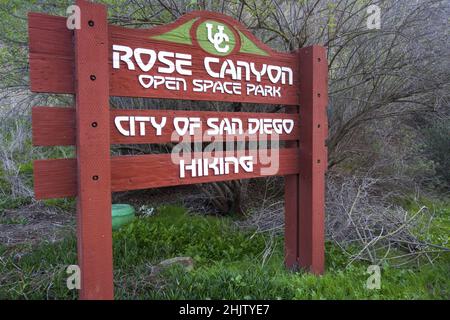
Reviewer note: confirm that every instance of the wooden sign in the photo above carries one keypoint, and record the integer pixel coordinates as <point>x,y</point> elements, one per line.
<point>201,56</point>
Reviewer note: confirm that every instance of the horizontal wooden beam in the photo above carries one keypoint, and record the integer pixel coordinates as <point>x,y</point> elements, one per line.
<point>57,178</point>
<point>55,126</point>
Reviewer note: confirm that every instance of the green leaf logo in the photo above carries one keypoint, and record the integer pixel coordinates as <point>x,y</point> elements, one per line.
<point>214,37</point>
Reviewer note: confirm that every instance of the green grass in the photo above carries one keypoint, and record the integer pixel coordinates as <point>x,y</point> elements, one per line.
<point>440,209</point>
<point>65,204</point>
<point>7,203</point>
<point>229,264</point>
<point>19,220</point>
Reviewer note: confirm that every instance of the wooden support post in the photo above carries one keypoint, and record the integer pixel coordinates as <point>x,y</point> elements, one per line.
<point>313,70</point>
<point>291,210</point>
<point>93,153</point>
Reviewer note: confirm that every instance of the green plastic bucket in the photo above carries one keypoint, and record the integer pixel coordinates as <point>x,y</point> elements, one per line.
<point>122,214</point>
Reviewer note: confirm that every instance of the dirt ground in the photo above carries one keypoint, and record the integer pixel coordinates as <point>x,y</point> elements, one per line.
<point>36,223</point>
<point>33,224</point>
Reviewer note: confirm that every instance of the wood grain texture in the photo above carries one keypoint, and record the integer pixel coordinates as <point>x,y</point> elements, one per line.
<point>53,126</point>
<point>291,211</point>
<point>94,226</point>
<point>313,157</point>
<point>51,60</point>
<point>56,178</point>
<point>51,54</point>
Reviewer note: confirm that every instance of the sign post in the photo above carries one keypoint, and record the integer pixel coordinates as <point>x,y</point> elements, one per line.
<point>93,153</point>
<point>313,158</point>
<point>202,56</point>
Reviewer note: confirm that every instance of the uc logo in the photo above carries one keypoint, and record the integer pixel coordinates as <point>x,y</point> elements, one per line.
<point>216,38</point>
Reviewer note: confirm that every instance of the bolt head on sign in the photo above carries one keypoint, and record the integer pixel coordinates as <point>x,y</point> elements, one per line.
<point>215,38</point>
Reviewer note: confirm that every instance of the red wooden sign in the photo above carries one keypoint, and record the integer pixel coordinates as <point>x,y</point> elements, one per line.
<point>201,56</point>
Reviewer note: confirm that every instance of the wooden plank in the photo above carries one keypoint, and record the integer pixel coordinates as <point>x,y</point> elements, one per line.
<point>55,178</point>
<point>291,210</point>
<point>93,153</point>
<point>124,83</point>
<point>313,157</point>
<point>51,61</point>
<point>51,54</point>
<point>54,126</point>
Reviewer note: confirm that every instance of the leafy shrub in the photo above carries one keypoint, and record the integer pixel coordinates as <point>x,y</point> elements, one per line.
<point>437,138</point>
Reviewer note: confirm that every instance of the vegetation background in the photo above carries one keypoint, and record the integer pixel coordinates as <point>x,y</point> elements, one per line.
<point>387,185</point>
